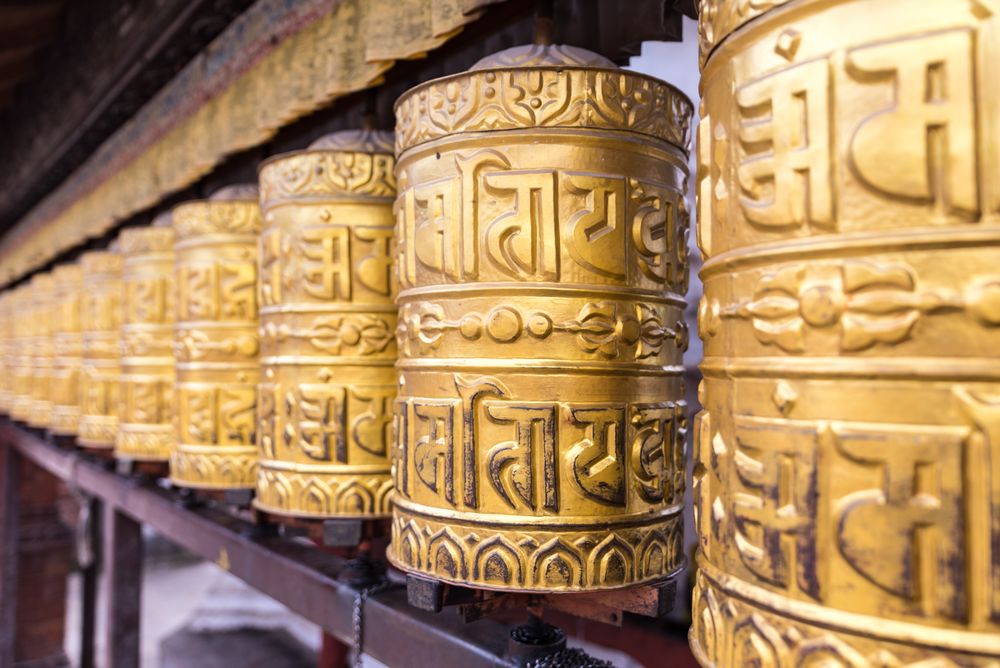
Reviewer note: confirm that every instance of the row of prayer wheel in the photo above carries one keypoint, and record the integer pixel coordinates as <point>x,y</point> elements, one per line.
<point>495,307</point>
<point>474,327</point>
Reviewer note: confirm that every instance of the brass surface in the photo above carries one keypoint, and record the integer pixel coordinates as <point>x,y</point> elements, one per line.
<point>328,326</point>
<point>216,346</point>
<point>21,372</point>
<point>145,414</point>
<point>100,318</point>
<point>6,349</point>
<point>848,473</point>
<point>67,350</point>
<point>42,287</point>
<point>541,229</point>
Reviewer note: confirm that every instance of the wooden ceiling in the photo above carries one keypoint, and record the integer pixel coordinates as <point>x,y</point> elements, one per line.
<point>26,26</point>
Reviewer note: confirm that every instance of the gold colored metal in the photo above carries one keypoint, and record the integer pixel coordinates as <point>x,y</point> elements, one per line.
<point>67,350</point>
<point>216,347</point>
<point>42,287</point>
<point>848,474</point>
<point>540,422</point>
<point>328,326</point>
<point>145,428</point>
<point>100,315</point>
<point>21,361</point>
<point>7,352</point>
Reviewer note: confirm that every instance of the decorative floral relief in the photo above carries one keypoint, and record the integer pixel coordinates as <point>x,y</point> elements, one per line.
<point>718,18</point>
<point>195,345</point>
<point>328,173</point>
<point>141,240</point>
<point>538,97</point>
<point>730,630</point>
<point>370,334</point>
<point>869,304</point>
<point>600,328</point>
<point>207,217</point>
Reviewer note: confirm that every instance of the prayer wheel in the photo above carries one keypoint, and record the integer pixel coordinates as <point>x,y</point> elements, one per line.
<point>541,227</point>
<point>24,326</point>
<point>67,350</point>
<point>848,473</point>
<point>7,350</point>
<point>145,428</point>
<point>216,348</point>
<point>328,328</point>
<point>100,317</point>
<point>42,287</point>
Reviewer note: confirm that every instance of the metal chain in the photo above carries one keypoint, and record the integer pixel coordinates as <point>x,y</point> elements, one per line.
<point>358,617</point>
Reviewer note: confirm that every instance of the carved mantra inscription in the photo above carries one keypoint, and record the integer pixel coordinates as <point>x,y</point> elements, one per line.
<point>490,221</point>
<point>847,479</point>
<point>903,113</point>
<point>486,445</point>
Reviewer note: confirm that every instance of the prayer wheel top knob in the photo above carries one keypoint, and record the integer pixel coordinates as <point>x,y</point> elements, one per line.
<point>542,55</point>
<point>362,141</point>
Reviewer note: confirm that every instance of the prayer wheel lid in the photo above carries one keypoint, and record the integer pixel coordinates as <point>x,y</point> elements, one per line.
<point>147,239</point>
<point>42,281</point>
<point>543,86</point>
<point>362,141</point>
<point>543,55</point>
<point>163,219</point>
<point>235,193</point>
<point>66,273</point>
<point>99,261</point>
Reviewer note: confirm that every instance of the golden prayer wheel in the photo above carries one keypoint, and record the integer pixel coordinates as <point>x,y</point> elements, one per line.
<point>216,348</point>
<point>100,317</point>
<point>67,350</point>
<point>145,428</point>
<point>7,350</point>
<point>542,264</point>
<point>24,326</point>
<point>848,474</point>
<point>328,326</point>
<point>42,287</point>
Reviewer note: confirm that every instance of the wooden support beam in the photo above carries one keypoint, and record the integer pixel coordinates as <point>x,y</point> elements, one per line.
<point>10,512</point>
<point>123,557</point>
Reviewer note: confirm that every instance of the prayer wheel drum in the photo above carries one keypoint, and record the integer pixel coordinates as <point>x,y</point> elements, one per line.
<point>100,316</point>
<point>67,350</point>
<point>848,474</point>
<point>541,229</point>
<point>216,347</point>
<point>7,352</point>
<point>24,325</point>
<point>145,428</point>
<point>328,328</point>
<point>42,292</point>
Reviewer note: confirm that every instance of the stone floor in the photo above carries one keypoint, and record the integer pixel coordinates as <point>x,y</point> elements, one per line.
<point>195,615</point>
<point>180,593</point>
